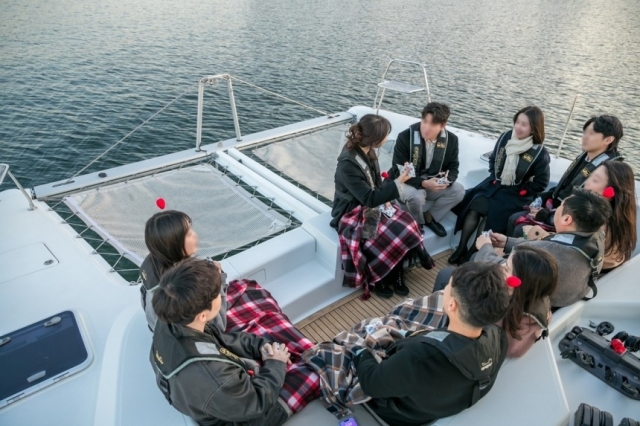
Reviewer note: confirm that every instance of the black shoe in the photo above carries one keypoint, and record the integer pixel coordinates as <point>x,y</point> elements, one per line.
<point>383,290</point>
<point>458,256</point>
<point>436,228</point>
<point>425,260</point>
<point>399,286</point>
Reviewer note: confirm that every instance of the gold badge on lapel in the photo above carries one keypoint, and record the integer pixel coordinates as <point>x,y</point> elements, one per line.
<point>585,172</point>
<point>228,353</point>
<point>528,158</point>
<point>441,145</point>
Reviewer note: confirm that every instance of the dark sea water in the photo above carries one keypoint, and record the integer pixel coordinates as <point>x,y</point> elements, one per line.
<point>76,76</point>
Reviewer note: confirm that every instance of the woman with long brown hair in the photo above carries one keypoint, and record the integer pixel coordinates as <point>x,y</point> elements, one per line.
<point>620,230</point>
<point>375,236</point>
<point>529,309</point>
<point>518,170</point>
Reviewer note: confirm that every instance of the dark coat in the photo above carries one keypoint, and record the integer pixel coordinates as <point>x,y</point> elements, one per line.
<point>506,200</point>
<point>353,188</point>
<point>417,383</point>
<point>224,392</point>
<point>402,154</point>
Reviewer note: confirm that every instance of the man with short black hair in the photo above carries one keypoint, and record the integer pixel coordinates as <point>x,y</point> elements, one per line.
<point>433,151</point>
<point>600,137</point>
<point>578,245</point>
<point>205,374</point>
<point>435,374</point>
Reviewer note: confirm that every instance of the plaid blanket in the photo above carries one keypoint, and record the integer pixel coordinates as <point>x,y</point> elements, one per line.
<point>252,309</point>
<point>368,261</point>
<point>333,361</point>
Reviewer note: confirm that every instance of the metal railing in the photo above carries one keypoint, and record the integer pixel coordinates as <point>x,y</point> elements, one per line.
<point>398,86</point>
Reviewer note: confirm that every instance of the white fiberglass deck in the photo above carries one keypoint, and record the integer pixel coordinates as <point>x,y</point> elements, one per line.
<point>302,270</point>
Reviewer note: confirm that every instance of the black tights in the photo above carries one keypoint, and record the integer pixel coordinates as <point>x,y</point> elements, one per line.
<point>472,221</point>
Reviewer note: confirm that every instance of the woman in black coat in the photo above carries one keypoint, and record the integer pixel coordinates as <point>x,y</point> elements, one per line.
<point>375,236</point>
<point>518,170</point>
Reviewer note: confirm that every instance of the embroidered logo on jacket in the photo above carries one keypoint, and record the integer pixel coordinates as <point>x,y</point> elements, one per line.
<point>528,158</point>
<point>159,358</point>
<point>144,275</point>
<point>416,157</point>
<point>229,354</point>
<point>441,145</point>
<point>485,365</point>
<point>585,172</point>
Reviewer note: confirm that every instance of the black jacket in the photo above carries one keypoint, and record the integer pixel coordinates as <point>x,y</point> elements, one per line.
<point>417,383</point>
<point>352,187</point>
<point>506,200</point>
<point>218,393</point>
<point>575,175</point>
<point>402,153</point>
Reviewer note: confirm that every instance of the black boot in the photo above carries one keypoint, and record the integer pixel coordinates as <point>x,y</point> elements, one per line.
<point>458,256</point>
<point>382,289</point>
<point>425,260</point>
<point>399,285</point>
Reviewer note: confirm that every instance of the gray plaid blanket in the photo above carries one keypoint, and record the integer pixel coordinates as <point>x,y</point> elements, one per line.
<point>333,361</point>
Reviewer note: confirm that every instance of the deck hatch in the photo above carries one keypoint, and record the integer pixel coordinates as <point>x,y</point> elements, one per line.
<point>40,354</point>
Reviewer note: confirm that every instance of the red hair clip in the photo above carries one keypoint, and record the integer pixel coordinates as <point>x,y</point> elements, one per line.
<point>609,193</point>
<point>161,203</point>
<point>618,346</point>
<point>384,175</point>
<point>514,282</point>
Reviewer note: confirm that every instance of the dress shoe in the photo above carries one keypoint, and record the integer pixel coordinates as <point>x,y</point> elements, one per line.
<point>437,228</point>
<point>458,256</point>
<point>383,290</point>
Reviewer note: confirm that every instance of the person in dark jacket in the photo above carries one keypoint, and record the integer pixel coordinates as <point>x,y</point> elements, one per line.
<point>375,236</point>
<point>433,151</point>
<point>600,138</point>
<point>170,238</point>
<point>518,170</point>
<point>208,375</point>
<point>435,374</point>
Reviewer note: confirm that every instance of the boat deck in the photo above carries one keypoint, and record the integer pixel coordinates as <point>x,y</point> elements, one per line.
<point>343,314</point>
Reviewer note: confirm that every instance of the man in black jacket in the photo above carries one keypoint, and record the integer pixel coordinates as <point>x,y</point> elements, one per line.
<point>433,151</point>
<point>435,374</point>
<point>600,138</point>
<point>205,374</point>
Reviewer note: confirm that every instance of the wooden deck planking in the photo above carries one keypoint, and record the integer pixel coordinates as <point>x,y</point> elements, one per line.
<point>343,314</point>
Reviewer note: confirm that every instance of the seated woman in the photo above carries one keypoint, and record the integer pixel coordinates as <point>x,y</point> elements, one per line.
<point>170,238</point>
<point>518,170</point>
<point>246,306</point>
<point>529,309</point>
<point>374,235</point>
<point>615,181</point>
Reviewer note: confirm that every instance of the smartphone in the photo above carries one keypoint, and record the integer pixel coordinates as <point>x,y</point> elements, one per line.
<point>349,421</point>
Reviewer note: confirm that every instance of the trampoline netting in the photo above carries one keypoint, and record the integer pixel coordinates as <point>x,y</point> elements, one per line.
<point>225,216</point>
<point>310,159</point>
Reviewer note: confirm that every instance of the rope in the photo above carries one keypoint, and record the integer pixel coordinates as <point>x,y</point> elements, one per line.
<point>280,96</point>
<point>130,133</point>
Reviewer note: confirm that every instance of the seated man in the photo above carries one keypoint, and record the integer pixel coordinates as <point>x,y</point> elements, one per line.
<point>435,374</point>
<point>578,245</point>
<point>206,374</point>
<point>433,151</point>
<point>600,139</point>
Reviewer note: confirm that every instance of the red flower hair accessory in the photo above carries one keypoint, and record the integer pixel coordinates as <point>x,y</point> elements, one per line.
<point>618,346</point>
<point>160,203</point>
<point>514,282</point>
<point>384,175</point>
<point>609,193</point>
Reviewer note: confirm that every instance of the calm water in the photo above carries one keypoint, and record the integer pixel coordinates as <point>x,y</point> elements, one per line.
<point>76,76</point>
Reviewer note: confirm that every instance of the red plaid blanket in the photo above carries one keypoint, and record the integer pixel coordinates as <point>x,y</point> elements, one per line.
<point>368,261</point>
<point>252,309</point>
